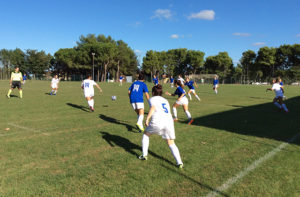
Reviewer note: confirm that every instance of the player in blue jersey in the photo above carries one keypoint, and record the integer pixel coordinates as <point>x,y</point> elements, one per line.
<point>155,80</point>
<point>190,84</point>
<point>136,95</point>
<point>281,83</point>
<point>171,81</point>
<point>24,78</point>
<point>216,84</point>
<point>121,80</point>
<point>182,100</point>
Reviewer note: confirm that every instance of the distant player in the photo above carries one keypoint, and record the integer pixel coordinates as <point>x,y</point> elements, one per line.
<point>161,123</point>
<point>15,81</point>
<point>155,80</point>
<point>24,78</point>
<point>281,83</point>
<point>190,84</point>
<point>88,89</point>
<point>136,95</point>
<point>182,82</point>
<point>216,84</point>
<point>54,85</point>
<point>121,80</point>
<point>182,100</point>
<point>278,100</point>
<point>172,81</point>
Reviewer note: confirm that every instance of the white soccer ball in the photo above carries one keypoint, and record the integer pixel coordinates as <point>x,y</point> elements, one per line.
<point>113,98</point>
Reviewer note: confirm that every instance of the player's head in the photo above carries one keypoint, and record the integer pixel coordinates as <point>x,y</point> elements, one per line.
<point>55,76</point>
<point>275,80</point>
<point>187,79</point>
<point>89,77</point>
<point>141,77</point>
<point>17,69</point>
<point>279,79</point>
<point>177,83</point>
<point>157,90</point>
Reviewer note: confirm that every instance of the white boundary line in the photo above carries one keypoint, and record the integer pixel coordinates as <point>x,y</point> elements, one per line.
<point>27,129</point>
<point>246,171</point>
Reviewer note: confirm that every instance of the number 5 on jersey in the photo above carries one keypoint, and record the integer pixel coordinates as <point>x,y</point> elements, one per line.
<point>165,109</point>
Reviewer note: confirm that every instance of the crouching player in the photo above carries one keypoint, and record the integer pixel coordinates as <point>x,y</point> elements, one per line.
<point>88,89</point>
<point>161,123</point>
<point>278,100</point>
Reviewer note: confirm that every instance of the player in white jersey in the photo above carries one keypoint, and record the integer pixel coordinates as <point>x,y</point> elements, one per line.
<point>88,90</point>
<point>54,85</point>
<point>278,100</point>
<point>159,121</point>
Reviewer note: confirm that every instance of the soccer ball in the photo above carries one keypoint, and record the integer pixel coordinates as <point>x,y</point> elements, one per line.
<point>113,98</point>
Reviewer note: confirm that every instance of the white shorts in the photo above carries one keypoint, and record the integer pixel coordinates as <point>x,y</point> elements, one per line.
<point>137,105</point>
<point>88,94</point>
<point>121,80</point>
<point>216,86</point>
<point>54,86</point>
<point>183,101</point>
<point>192,90</point>
<point>164,129</point>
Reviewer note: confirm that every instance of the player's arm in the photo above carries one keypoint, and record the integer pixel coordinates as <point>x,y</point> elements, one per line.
<point>195,84</point>
<point>82,85</point>
<point>150,113</point>
<point>147,95</point>
<point>269,89</point>
<point>169,94</point>
<point>11,78</point>
<point>98,87</point>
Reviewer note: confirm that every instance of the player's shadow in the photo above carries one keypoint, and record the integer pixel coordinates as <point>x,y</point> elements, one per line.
<point>81,107</point>
<point>263,120</point>
<point>47,93</point>
<point>120,122</point>
<point>12,96</point>
<point>128,146</point>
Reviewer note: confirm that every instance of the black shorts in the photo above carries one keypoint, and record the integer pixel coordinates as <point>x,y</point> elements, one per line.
<point>16,84</point>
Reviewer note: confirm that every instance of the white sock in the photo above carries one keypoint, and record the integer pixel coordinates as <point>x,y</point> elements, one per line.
<point>216,91</point>
<point>284,107</point>
<point>140,120</point>
<point>277,104</point>
<point>145,144</point>
<point>188,114</point>
<point>197,97</point>
<point>175,112</point>
<point>55,91</point>
<point>190,96</point>
<point>90,103</point>
<point>175,153</point>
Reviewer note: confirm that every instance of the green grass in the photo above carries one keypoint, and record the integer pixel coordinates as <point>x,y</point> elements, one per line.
<point>56,147</point>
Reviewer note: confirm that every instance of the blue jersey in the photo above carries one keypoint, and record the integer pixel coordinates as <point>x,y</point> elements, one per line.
<point>155,81</point>
<point>216,81</point>
<point>281,83</point>
<point>121,78</point>
<point>171,80</point>
<point>179,91</point>
<point>24,77</point>
<point>190,84</point>
<point>137,90</point>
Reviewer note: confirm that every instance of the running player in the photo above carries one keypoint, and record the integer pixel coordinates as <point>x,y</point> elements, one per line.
<point>281,83</point>
<point>172,81</point>
<point>135,92</point>
<point>161,123</point>
<point>182,100</point>
<point>216,84</point>
<point>24,78</point>
<point>278,100</point>
<point>54,85</point>
<point>15,81</point>
<point>121,80</point>
<point>155,80</point>
<point>88,89</point>
<point>182,82</point>
<point>190,84</point>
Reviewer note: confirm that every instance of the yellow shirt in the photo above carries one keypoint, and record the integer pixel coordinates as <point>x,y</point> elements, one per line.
<point>16,76</point>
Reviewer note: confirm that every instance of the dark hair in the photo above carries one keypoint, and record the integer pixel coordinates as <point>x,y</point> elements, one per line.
<point>178,82</point>
<point>141,77</point>
<point>157,90</point>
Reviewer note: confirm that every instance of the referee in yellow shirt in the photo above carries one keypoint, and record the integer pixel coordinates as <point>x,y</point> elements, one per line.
<point>15,81</point>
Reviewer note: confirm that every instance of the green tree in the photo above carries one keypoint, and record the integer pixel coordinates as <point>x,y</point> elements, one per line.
<point>248,64</point>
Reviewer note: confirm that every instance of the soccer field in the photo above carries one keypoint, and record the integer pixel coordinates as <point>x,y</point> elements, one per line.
<point>235,147</point>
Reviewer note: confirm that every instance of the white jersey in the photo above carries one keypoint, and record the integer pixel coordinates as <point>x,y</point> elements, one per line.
<point>88,87</point>
<point>277,88</point>
<point>54,82</point>
<point>181,80</point>
<point>161,122</point>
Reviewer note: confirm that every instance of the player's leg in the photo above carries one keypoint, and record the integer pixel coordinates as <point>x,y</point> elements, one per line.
<point>188,114</point>
<point>145,145</point>
<point>175,152</point>
<point>9,92</point>
<point>196,96</point>
<point>175,105</point>
<point>55,91</point>
<point>140,118</point>
<point>20,92</point>
<point>189,93</point>
<point>90,101</point>
<point>280,100</point>
<point>276,103</point>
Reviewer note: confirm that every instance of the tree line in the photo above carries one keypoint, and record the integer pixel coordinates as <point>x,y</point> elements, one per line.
<point>107,55</point>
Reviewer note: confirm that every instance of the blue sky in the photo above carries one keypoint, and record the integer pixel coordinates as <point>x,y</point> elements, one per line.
<point>211,26</point>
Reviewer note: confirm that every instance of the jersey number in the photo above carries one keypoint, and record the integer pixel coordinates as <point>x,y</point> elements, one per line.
<point>86,85</point>
<point>136,87</point>
<point>165,109</point>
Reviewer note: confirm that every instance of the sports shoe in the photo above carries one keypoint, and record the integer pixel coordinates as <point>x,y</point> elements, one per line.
<point>50,93</point>
<point>175,119</point>
<point>92,109</point>
<point>7,96</point>
<point>190,121</point>
<point>180,166</point>
<point>141,157</point>
<point>139,127</point>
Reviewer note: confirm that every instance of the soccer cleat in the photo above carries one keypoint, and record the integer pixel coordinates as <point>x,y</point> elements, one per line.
<point>7,96</point>
<point>141,157</point>
<point>190,121</point>
<point>180,166</point>
<point>50,93</point>
<point>139,127</point>
<point>175,119</point>
<point>92,109</point>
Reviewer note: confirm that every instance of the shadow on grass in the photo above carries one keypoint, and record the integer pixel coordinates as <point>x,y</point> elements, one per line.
<point>128,146</point>
<point>47,93</point>
<point>83,108</point>
<point>120,122</point>
<point>202,185</point>
<point>263,120</point>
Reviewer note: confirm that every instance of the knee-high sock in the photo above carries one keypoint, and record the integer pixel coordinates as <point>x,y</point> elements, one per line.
<point>216,91</point>
<point>284,107</point>
<point>140,119</point>
<point>277,105</point>
<point>190,96</point>
<point>175,153</point>
<point>145,144</point>
<point>175,112</point>
<point>9,92</point>
<point>90,103</point>
<point>21,93</point>
<point>188,114</point>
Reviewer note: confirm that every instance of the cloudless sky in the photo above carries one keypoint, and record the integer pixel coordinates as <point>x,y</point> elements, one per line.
<point>211,26</point>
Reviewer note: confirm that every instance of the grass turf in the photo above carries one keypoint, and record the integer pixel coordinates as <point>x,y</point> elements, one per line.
<point>57,147</point>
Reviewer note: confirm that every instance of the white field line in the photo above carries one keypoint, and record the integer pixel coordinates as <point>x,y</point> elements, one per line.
<point>246,171</point>
<point>27,129</point>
